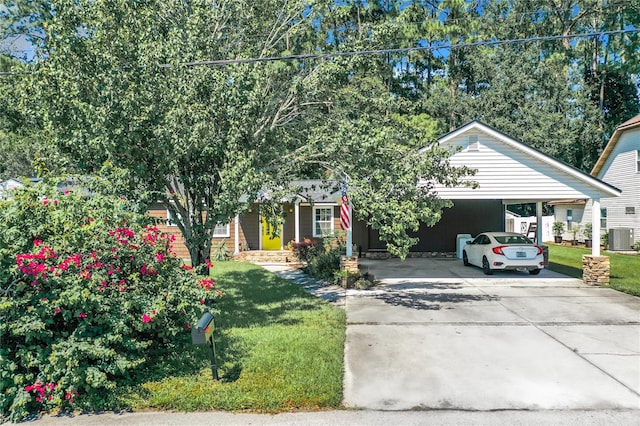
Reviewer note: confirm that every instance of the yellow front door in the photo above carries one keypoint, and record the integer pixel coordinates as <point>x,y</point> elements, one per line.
<point>268,241</point>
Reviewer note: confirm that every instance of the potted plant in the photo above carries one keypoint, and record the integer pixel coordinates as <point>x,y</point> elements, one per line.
<point>588,233</point>
<point>558,229</point>
<point>575,230</point>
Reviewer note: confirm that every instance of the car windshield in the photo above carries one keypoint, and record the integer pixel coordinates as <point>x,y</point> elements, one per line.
<point>512,239</point>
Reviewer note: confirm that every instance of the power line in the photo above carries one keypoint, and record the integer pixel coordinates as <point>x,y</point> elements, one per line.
<point>225,62</point>
<point>222,62</point>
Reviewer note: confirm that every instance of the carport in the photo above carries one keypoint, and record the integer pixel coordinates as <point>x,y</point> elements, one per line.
<point>515,173</point>
<point>507,172</point>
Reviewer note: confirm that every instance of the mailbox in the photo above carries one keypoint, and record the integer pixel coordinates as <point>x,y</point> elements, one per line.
<point>202,334</point>
<point>203,331</point>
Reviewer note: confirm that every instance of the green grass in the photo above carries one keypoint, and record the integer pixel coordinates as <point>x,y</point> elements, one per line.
<point>278,348</point>
<point>625,268</point>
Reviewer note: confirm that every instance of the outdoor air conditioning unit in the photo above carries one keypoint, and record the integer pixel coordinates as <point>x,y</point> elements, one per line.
<point>620,238</point>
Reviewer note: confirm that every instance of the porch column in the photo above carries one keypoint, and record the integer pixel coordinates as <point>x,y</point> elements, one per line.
<point>236,239</point>
<point>539,223</point>
<point>595,227</point>
<point>296,215</point>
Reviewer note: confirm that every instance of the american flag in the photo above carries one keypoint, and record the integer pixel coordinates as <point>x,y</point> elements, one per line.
<point>344,209</point>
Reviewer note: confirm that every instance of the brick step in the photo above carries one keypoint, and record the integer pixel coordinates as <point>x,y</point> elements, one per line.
<point>266,256</point>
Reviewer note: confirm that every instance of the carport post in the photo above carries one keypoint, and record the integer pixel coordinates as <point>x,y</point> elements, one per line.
<point>595,227</point>
<point>539,223</point>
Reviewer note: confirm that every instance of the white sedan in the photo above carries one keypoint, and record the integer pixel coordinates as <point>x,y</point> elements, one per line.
<point>504,251</point>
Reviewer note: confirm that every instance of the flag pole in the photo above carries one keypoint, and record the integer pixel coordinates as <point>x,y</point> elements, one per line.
<point>350,228</point>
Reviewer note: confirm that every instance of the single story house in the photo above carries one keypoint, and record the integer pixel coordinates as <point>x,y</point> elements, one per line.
<point>507,172</point>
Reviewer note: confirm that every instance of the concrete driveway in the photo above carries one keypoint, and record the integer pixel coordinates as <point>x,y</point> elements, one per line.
<point>437,335</point>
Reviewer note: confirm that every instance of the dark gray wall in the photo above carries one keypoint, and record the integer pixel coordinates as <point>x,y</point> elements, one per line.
<point>465,217</point>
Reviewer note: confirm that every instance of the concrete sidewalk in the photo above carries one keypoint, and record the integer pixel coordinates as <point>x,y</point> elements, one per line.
<point>437,335</point>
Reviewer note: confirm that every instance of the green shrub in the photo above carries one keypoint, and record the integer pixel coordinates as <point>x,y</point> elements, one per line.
<point>324,265</point>
<point>89,293</point>
<point>306,250</point>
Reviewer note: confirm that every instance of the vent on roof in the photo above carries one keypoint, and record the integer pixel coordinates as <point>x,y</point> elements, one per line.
<point>472,143</point>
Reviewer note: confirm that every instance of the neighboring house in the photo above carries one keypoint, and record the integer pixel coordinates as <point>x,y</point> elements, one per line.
<point>619,165</point>
<point>507,172</point>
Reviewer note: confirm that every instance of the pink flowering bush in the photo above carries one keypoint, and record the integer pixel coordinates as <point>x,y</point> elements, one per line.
<point>90,293</point>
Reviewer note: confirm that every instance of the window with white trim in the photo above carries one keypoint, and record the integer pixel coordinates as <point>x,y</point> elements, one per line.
<point>322,221</point>
<point>638,161</point>
<point>170,219</point>
<point>603,218</point>
<point>222,231</point>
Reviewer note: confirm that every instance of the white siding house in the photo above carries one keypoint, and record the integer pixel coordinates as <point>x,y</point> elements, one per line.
<point>619,165</point>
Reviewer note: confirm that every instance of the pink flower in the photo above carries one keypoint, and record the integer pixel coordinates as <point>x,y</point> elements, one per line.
<point>146,318</point>
<point>187,326</point>
<point>57,311</point>
<point>207,284</point>
<point>208,263</point>
<point>202,301</point>
<point>160,257</point>
<point>45,201</point>
<point>55,202</point>
<point>67,192</point>
<point>37,242</point>
<point>82,315</point>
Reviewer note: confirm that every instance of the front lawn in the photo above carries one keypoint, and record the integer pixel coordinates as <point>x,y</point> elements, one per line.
<point>278,349</point>
<point>625,268</point>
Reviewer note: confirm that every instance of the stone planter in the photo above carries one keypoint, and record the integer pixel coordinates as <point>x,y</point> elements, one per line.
<point>557,239</point>
<point>588,243</point>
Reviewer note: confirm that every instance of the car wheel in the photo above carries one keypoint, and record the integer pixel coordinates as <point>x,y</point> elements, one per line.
<point>485,267</point>
<point>534,271</point>
<point>465,259</point>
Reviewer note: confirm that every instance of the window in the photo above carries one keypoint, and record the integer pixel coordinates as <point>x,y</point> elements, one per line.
<point>603,218</point>
<point>569,218</point>
<point>638,161</point>
<point>170,219</point>
<point>222,231</point>
<point>629,210</point>
<point>472,143</point>
<point>322,221</point>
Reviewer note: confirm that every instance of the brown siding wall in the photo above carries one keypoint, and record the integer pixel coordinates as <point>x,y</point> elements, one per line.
<point>160,212</point>
<point>289,227</point>
<point>250,229</point>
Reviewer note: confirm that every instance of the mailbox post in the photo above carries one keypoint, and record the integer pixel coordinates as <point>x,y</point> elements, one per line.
<point>202,334</point>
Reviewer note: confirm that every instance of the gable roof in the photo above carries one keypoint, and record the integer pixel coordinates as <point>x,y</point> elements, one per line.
<point>627,125</point>
<point>569,180</point>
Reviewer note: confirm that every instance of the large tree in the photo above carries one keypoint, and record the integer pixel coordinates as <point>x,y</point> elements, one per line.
<point>117,82</point>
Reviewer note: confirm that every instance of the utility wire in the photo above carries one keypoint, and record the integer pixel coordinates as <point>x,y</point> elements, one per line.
<point>225,62</point>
